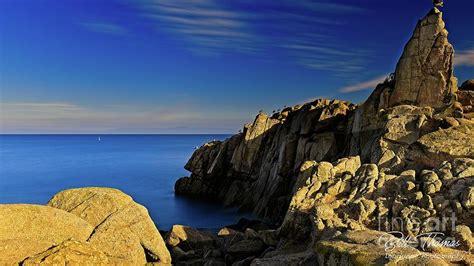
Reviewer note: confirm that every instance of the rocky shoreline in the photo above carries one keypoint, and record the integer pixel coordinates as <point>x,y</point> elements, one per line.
<point>336,177</point>
<point>329,180</point>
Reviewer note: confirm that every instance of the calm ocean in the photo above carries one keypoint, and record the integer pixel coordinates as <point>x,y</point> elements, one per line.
<point>35,167</point>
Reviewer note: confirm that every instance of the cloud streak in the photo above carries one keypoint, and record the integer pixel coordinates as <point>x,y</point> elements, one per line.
<point>365,85</point>
<point>464,58</point>
<point>58,117</point>
<point>104,27</point>
<point>208,27</point>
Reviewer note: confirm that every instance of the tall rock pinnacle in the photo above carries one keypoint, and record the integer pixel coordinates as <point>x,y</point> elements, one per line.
<point>424,73</point>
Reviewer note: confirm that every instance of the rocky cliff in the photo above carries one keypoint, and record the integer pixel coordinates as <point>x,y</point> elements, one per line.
<point>398,127</point>
<point>327,169</point>
<point>256,169</point>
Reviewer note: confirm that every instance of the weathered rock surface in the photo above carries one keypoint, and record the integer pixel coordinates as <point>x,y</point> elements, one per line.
<point>72,252</point>
<point>92,226</point>
<point>122,228</point>
<point>337,209</point>
<point>378,248</point>
<point>424,74</point>
<point>445,145</point>
<point>26,230</point>
<point>256,169</point>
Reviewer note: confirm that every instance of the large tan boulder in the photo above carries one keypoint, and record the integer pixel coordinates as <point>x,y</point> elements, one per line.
<point>122,228</point>
<point>26,230</point>
<point>424,74</point>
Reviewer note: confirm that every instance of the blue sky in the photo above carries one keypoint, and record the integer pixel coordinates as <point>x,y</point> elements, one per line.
<point>198,66</point>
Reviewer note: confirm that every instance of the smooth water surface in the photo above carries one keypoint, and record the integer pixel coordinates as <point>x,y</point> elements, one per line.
<point>35,167</point>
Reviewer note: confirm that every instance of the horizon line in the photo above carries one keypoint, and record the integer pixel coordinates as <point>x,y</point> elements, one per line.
<point>95,134</point>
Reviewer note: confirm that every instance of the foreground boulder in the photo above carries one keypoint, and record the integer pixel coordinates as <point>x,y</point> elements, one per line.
<point>26,230</point>
<point>94,226</point>
<point>122,228</point>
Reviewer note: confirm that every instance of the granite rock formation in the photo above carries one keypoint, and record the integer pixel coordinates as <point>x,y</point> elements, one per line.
<point>255,169</point>
<point>122,228</point>
<point>424,74</point>
<point>333,177</point>
<point>30,229</point>
<point>94,226</point>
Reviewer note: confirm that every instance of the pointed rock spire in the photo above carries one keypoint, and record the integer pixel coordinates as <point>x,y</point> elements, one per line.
<point>424,73</point>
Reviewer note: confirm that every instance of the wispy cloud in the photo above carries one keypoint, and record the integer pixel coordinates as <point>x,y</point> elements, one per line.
<point>208,27</point>
<point>464,58</point>
<point>104,27</point>
<point>365,85</point>
<point>332,7</point>
<point>58,117</point>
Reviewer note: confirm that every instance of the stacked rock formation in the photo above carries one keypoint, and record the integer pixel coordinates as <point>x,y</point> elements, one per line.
<point>328,172</point>
<point>87,226</point>
<point>424,74</point>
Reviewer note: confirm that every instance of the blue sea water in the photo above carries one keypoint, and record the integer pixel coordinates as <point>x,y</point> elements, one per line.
<point>35,167</point>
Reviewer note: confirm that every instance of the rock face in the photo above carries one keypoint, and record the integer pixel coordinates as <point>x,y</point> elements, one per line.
<point>256,168</point>
<point>336,177</point>
<point>99,226</point>
<point>122,228</point>
<point>445,145</point>
<point>424,74</point>
<point>71,252</point>
<point>31,229</point>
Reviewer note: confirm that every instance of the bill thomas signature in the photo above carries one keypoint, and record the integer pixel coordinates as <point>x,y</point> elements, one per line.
<point>425,241</point>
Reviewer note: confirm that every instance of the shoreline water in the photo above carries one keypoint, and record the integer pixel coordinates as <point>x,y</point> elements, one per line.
<point>35,167</point>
